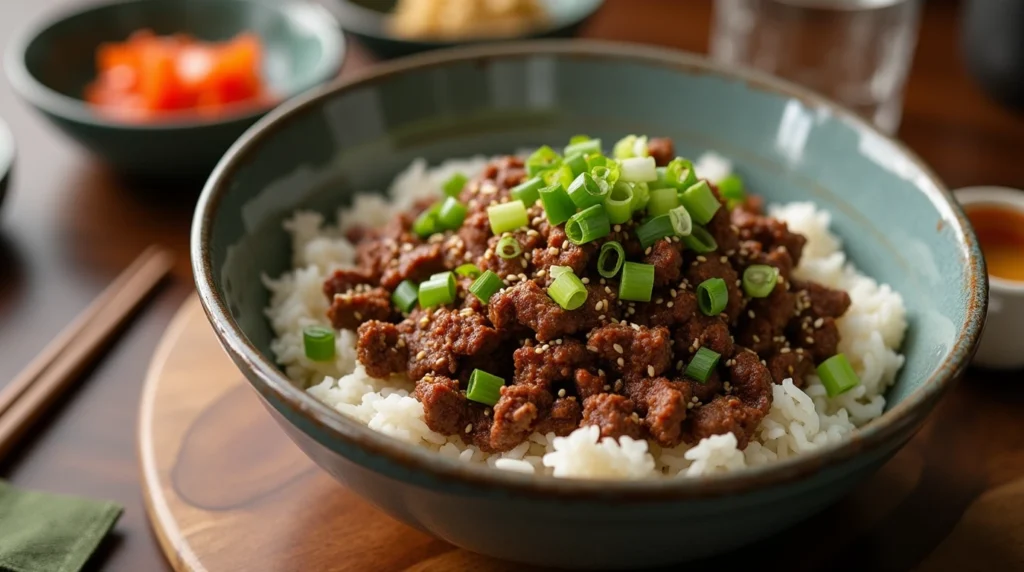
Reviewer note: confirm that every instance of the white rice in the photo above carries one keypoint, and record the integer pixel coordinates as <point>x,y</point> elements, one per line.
<point>799,420</point>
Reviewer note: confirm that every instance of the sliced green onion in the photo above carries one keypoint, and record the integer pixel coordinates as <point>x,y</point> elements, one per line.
<point>662,201</point>
<point>596,161</point>
<point>702,364</point>
<point>558,207</point>
<point>428,222</point>
<point>639,170</point>
<point>700,240</point>
<point>438,290</point>
<point>453,186</point>
<point>712,296</point>
<point>654,230</point>
<point>556,271</point>
<point>587,147</point>
<point>641,196</point>
<point>619,203</point>
<point>469,270</point>
<point>405,296</point>
<point>542,159</point>
<point>731,188</point>
<point>587,225</point>
<point>508,247</point>
<point>484,387</point>
<point>630,146</point>
<point>837,375</point>
<point>452,214</point>
<point>637,282</point>
<point>318,342</point>
<point>578,139</point>
<point>486,285</point>
<point>576,164</point>
<point>529,191</point>
<point>700,200</point>
<point>585,191</point>
<point>679,173</point>
<point>568,291</point>
<point>563,176</point>
<point>759,280</point>
<point>681,221</point>
<point>660,182</point>
<point>611,259</point>
<point>507,216</point>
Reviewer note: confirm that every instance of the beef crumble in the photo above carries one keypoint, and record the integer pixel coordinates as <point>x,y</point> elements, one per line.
<point>614,364</point>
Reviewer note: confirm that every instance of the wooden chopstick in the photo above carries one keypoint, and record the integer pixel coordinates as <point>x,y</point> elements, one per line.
<point>50,374</point>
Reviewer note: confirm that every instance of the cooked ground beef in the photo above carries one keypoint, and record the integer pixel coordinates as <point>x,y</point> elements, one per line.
<point>615,364</point>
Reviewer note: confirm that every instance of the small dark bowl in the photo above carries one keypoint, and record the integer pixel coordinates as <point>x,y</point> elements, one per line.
<point>367,20</point>
<point>6,159</point>
<point>50,64</point>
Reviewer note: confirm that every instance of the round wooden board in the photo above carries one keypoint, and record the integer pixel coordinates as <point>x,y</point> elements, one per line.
<point>226,490</point>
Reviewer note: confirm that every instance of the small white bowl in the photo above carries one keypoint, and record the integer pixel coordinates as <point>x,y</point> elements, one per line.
<point>1002,342</point>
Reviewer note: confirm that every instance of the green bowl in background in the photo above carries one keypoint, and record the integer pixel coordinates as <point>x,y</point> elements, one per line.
<point>367,20</point>
<point>49,65</point>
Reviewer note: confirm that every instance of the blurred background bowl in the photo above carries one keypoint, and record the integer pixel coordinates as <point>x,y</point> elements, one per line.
<point>367,20</point>
<point>6,158</point>
<point>50,64</point>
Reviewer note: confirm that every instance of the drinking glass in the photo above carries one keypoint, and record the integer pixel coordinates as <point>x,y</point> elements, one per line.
<point>857,52</point>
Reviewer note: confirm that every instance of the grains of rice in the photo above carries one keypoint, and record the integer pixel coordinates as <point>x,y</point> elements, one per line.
<point>798,422</point>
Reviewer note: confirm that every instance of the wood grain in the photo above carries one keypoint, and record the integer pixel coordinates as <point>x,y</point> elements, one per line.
<point>226,490</point>
<point>69,226</point>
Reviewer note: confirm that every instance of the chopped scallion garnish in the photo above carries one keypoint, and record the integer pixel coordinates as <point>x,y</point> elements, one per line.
<point>731,188</point>
<point>611,259</point>
<point>700,240</point>
<point>681,221</point>
<point>318,341</point>
<point>542,159</point>
<point>654,230</point>
<point>528,191</point>
<point>588,225</point>
<point>486,285</point>
<point>837,375</point>
<point>641,196</point>
<point>568,290</point>
<point>702,364</point>
<point>679,174</point>
<point>452,214</point>
<point>759,280</point>
<point>484,387</point>
<point>619,203</point>
<point>637,282</point>
<point>427,222</point>
<point>587,147</point>
<point>438,290</point>
<point>662,201</point>
<point>586,191</point>
<point>558,207</point>
<point>712,296</point>
<point>453,186</point>
<point>469,270</point>
<point>508,216</point>
<point>700,201</point>
<point>630,146</point>
<point>508,247</point>
<point>576,164</point>
<point>639,170</point>
<point>405,296</point>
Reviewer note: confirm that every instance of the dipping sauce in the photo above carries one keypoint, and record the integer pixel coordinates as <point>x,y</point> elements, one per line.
<point>1000,231</point>
<point>148,75</point>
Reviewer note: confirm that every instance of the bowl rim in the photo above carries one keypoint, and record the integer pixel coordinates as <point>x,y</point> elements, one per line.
<point>313,17</point>
<point>331,426</point>
<point>369,23</point>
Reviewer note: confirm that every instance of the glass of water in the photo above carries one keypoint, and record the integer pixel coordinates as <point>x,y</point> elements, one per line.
<point>857,52</point>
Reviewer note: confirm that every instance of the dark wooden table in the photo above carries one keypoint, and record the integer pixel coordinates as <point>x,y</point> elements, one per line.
<point>70,226</point>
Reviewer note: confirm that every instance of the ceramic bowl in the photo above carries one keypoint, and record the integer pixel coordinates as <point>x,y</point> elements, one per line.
<point>50,63</point>
<point>367,20</point>
<point>6,159</point>
<point>898,223</point>
<point>1002,346</point>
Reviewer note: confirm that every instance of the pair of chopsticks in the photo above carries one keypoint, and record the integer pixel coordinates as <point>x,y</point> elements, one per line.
<point>52,372</point>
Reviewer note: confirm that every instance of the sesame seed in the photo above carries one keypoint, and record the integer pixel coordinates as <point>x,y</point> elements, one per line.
<point>617,228</point>
<point>553,251</point>
<point>621,362</point>
<point>635,327</point>
<point>618,385</point>
<point>689,405</point>
<point>607,290</point>
<point>784,351</point>
<point>724,259</point>
<point>541,273</point>
<point>469,428</point>
<point>592,348</point>
<point>650,370</point>
<point>524,262</point>
<point>694,399</point>
<point>561,392</point>
<point>817,323</point>
<point>539,350</point>
<point>603,281</point>
<point>358,315</point>
<point>756,338</point>
<point>511,277</point>
<point>701,258</point>
<point>659,301</point>
<point>406,247</point>
<point>647,250</point>
<point>422,354</point>
<point>809,340</point>
<point>617,348</point>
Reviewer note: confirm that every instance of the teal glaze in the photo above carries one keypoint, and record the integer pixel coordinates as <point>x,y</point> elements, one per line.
<point>897,221</point>
<point>49,66</point>
<point>6,159</point>
<point>366,20</point>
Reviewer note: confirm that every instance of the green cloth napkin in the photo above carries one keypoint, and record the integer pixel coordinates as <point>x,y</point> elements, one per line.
<point>50,533</point>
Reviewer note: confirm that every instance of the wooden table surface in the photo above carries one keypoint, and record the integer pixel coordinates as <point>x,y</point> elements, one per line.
<point>70,226</point>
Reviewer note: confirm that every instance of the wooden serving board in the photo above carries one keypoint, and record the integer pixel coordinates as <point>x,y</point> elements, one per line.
<point>226,490</point>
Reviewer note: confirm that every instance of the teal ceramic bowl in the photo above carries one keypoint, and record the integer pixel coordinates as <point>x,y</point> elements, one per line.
<point>897,220</point>
<point>367,20</point>
<point>50,63</point>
